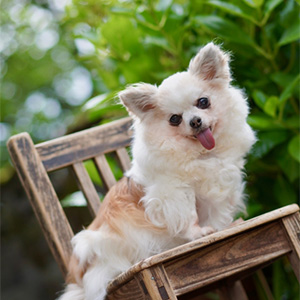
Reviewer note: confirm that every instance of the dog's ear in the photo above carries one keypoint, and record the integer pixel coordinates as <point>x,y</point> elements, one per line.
<point>211,63</point>
<point>139,98</point>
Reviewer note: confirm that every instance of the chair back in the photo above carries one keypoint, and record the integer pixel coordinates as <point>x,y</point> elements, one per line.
<point>34,162</point>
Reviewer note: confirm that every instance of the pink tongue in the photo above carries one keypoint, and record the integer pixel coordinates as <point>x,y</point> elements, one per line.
<point>206,139</point>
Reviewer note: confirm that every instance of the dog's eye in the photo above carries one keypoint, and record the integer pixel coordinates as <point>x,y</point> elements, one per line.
<point>175,120</point>
<point>203,103</point>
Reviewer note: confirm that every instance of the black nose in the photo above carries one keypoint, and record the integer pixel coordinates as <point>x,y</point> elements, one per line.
<point>196,122</point>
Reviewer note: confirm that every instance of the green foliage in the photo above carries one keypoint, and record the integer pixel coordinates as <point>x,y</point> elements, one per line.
<point>114,43</point>
<point>148,40</point>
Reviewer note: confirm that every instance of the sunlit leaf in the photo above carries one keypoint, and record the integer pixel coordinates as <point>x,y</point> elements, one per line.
<point>270,5</point>
<point>294,148</point>
<point>163,5</point>
<point>288,91</point>
<point>267,141</point>
<point>259,98</point>
<point>292,33</point>
<point>225,29</point>
<point>254,3</point>
<point>263,122</point>
<point>158,41</point>
<point>271,105</point>
<point>74,200</point>
<point>92,171</point>
<point>237,8</point>
<point>289,166</point>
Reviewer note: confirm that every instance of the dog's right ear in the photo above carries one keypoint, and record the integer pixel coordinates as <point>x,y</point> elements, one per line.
<point>139,98</point>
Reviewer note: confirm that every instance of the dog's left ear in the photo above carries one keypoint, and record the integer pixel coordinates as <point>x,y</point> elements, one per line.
<point>139,98</point>
<point>211,63</point>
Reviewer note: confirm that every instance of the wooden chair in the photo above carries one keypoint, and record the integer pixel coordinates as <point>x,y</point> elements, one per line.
<point>215,261</point>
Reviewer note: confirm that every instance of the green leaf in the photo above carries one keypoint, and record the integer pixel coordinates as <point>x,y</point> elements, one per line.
<point>259,98</point>
<point>294,148</point>
<point>291,34</point>
<point>236,8</point>
<point>259,121</point>
<point>267,141</point>
<point>270,5</point>
<point>254,3</point>
<point>284,192</point>
<point>271,105</point>
<point>288,91</point>
<point>74,200</point>
<point>288,165</point>
<point>163,5</point>
<point>282,79</point>
<point>224,28</point>
<point>158,41</point>
<point>92,171</point>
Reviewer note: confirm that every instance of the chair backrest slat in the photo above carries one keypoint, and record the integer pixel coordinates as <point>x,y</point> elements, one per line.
<point>32,163</point>
<point>43,198</point>
<point>106,174</point>
<point>123,158</point>
<point>84,145</point>
<point>87,187</point>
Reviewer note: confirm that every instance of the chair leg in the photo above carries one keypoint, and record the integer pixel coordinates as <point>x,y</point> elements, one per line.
<point>292,227</point>
<point>155,284</point>
<point>233,291</point>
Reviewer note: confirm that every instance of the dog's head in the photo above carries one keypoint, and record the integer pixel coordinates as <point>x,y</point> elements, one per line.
<point>194,107</point>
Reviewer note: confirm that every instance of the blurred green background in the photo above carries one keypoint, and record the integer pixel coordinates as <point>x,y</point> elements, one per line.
<point>63,62</point>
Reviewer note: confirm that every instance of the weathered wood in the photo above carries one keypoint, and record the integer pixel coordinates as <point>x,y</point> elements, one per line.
<point>105,172</point>
<point>292,227</point>
<point>87,187</point>
<point>130,291</point>
<point>230,258</point>
<point>124,159</point>
<point>84,145</point>
<point>155,283</point>
<point>203,242</point>
<point>43,198</point>
<point>223,259</point>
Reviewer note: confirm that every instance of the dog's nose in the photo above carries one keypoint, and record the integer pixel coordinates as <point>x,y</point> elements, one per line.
<point>196,122</point>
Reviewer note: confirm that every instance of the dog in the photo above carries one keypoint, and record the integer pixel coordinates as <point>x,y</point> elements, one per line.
<point>186,178</point>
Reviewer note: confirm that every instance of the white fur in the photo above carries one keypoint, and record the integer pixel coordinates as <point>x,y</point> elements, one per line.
<point>189,190</point>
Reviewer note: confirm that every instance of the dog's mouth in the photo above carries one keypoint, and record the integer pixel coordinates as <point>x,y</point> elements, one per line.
<point>205,137</point>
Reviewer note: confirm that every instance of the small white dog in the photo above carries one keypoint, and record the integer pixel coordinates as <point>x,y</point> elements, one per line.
<point>186,179</point>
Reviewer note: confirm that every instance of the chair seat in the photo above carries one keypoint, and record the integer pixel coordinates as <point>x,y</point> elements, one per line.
<point>229,254</point>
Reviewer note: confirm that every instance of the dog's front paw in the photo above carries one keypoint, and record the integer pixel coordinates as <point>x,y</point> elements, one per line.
<point>206,230</point>
<point>196,232</point>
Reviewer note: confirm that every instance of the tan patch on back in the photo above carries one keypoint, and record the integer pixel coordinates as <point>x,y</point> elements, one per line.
<point>121,204</point>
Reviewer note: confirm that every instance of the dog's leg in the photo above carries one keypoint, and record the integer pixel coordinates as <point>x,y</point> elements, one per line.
<point>174,208</point>
<point>194,231</point>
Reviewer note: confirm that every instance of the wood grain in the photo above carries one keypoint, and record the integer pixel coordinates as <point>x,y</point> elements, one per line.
<point>130,291</point>
<point>203,242</point>
<point>87,187</point>
<point>83,145</point>
<point>124,159</point>
<point>105,172</point>
<point>43,198</point>
<point>155,283</point>
<point>226,258</point>
<point>292,227</point>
